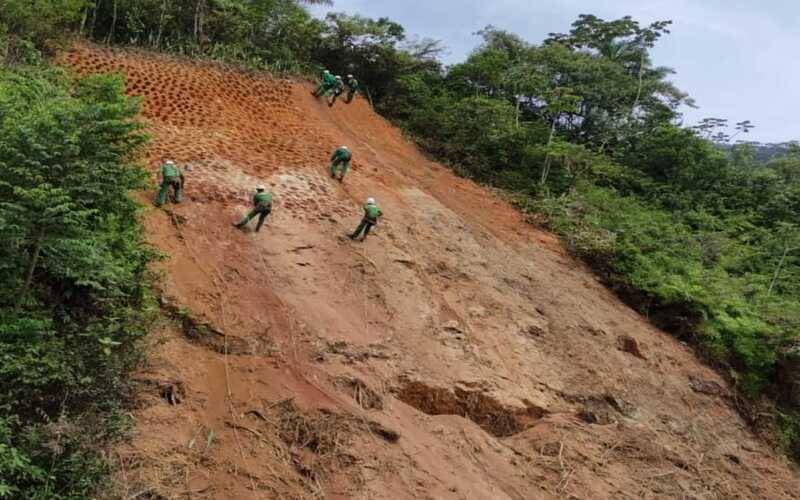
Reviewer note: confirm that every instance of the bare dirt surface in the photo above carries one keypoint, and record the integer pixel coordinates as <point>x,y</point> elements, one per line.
<point>458,353</point>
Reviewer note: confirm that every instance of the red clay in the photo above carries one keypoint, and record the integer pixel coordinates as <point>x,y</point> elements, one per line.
<point>498,359</point>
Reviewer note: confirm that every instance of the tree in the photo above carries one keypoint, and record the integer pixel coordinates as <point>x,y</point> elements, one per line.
<point>57,181</point>
<point>377,52</point>
<point>40,21</point>
<point>625,42</point>
<point>72,273</point>
<point>558,101</point>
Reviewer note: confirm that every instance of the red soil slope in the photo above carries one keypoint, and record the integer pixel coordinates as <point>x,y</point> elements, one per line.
<point>457,353</point>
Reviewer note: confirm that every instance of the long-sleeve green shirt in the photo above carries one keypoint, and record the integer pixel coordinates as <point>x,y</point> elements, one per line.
<point>169,171</point>
<point>341,154</point>
<point>329,79</point>
<point>372,212</point>
<point>262,199</point>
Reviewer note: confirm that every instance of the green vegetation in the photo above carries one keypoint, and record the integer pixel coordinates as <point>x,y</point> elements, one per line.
<point>582,128</point>
<point>73,295</point>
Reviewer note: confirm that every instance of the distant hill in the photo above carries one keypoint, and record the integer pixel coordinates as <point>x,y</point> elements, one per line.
<point>764,151</point>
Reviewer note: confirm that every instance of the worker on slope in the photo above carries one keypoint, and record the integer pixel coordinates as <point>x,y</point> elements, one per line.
<point>328,83</point>
<point>352,88</point>
<point>336,91</point>
<point>340,163</point>
<point>371,214</point>
<point>171,177</point>
<point>262,206</point>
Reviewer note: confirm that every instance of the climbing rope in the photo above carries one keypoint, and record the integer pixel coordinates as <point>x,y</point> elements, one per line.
<point>229,393</point>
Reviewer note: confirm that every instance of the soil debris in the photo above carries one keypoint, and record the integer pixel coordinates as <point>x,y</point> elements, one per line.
<point>366,397</point>
<point>628,344</point>
<point>497,419</point>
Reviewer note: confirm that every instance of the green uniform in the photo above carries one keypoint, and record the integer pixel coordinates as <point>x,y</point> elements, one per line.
<point>336,91</point>
<point>328,82</point>
<point>352,88</point>
<point>340,161</point>
<point>371,214</point>
<point>171,177</point>
<point>262,206</point>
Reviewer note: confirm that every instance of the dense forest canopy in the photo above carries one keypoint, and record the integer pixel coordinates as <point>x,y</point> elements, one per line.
<point>582,129</point>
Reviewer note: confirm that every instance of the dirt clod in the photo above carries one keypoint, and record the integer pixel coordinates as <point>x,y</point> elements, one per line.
<point>350,353</point>
<point>494,417</point>
<point>708,387</point>
<point>626,343</point>
<point>173,393</point>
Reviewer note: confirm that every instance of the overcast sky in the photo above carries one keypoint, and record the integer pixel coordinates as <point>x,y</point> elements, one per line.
<point>739,59</point>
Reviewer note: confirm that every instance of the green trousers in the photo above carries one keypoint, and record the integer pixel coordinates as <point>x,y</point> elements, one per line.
<point>339,165</point>
<point>169,182</point>
<point>365,225</point>
<point>351,93</point>
<point>334,96</point>
<point>262,211</point>
<point>323,89</point>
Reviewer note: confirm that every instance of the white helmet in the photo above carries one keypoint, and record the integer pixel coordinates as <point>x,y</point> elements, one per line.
<point>326,71</point>
<point>169,162</point>
<point>260,187</point>
<point>370,201</point>
<point>344,147</point>
<point>338,77</point>
<point>349,76</point>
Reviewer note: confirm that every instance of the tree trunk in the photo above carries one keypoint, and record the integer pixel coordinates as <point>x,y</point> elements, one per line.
<point>369,97</point>
<point>37,248</point>
<point>161,23</point>
<point>198,21</point>
<point>547,159</point>
<point>639,89</point>
<point>777,271</point>
<point>110,37</point>
<point>94,18</point>
<point>196,10</point>
<point>83,20</point>
<point>519,104</point>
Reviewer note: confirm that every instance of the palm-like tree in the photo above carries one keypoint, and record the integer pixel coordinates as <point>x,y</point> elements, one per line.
<point>617,50</point>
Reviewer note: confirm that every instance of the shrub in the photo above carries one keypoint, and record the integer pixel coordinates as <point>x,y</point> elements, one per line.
<point>74,299</point>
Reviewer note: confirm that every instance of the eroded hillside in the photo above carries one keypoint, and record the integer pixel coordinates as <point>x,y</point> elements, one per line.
<point>457,353</point>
